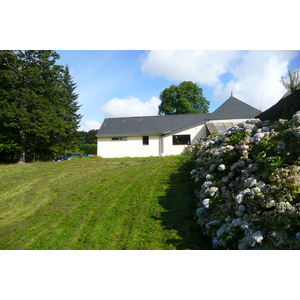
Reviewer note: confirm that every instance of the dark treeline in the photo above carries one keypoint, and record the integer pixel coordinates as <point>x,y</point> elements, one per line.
<point>38,106</point>
<point>87,141</point>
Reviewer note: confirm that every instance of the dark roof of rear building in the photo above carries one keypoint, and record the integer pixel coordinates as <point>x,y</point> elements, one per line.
<point>288,105</point>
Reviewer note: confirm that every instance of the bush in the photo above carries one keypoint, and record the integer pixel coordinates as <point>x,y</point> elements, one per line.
<point>248,184</point>
<point>89,148</point>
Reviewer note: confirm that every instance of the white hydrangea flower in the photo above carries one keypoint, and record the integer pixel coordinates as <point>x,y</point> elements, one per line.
<point>207,184</point>
<point>251,181</point>
<point>239,198</point>
<point>221,167</point>
<point>256,190</point>
<point>209,177</point>
<point>205,203</point>
<point>244,147</point>
<point>257,236</point>
<point>245,225</point>
<point>212,191</point>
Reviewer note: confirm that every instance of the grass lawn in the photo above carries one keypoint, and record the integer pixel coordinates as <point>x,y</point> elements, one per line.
<point>96,203</point>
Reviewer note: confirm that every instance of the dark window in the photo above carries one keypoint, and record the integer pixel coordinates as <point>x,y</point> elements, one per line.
<point>145,140</point>
<point>119,139</point>
<point>183,139</point>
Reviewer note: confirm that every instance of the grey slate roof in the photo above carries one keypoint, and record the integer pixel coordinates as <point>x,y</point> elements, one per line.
<point>149,124</point>
<point>232,108</point>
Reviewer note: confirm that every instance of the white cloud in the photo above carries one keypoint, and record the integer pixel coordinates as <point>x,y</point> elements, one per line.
<point>199,66</point>
<point>254,75</point>
<point>89,125</point>
<point>130,107</point>
<point>256,78</point>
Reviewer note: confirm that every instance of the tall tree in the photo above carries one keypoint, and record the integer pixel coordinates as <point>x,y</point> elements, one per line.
<point>11,111</point>
<point>38,107</point>
<point>66,137</point>
<point>185,98</point>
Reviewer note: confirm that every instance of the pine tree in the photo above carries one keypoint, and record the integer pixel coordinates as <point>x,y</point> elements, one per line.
<point>64,134</point>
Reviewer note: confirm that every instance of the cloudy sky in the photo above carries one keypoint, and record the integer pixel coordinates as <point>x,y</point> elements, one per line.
<point>120,83</point>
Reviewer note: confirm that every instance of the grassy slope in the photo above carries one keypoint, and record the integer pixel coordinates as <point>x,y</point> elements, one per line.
<point>129,203</point>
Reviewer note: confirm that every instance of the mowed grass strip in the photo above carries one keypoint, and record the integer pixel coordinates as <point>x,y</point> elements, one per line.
<point>97,203</point>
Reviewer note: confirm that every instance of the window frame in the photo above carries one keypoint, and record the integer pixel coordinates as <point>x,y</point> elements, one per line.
<point>119,138</point>
<point>178,143</point>
<point>145,140</point>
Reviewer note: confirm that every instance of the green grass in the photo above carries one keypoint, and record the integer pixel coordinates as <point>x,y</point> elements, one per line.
<point>96,203</point>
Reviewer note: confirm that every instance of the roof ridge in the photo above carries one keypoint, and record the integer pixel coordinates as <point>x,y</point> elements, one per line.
<point>159,116</point>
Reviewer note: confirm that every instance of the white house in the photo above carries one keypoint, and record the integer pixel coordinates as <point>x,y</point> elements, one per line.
<point>167,135</point>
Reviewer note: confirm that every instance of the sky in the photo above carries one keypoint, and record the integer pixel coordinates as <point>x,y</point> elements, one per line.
<point>123,83</point>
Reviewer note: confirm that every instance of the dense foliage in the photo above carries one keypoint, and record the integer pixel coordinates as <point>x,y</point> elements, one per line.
<point>87,141</point>
<point>38,106</point>
<point>185,98</point>
<point>248,185</point>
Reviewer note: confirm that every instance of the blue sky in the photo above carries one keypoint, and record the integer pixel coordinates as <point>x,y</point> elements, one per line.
<point>116,83</point>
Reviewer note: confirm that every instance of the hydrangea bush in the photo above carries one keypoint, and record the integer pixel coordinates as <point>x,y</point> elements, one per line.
<point>248,184</point>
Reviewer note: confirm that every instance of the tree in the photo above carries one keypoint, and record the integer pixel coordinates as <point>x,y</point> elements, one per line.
<point>87,141</point>
<point>292,81</point>
<point>38,107</point>
<point>67,110</point>
<point>186,98</point>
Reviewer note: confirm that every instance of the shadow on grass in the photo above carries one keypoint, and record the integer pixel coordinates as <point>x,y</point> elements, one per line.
<point>181,204</point>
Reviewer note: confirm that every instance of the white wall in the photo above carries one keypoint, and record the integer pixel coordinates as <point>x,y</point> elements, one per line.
<point>133,147</point>
<point>196,133</point>
<point>158,146</point>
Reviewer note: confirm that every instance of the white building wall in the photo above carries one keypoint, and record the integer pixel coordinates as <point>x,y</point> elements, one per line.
<point>158,145</point>
<point>133,147</point>
<point>196,133</point>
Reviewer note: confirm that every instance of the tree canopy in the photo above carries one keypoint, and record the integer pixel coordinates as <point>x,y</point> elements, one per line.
<point>87,141</point>
<point>38,106</point>
<point>185,98</point>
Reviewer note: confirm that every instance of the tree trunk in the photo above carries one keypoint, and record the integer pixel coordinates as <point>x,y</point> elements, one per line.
<point>22,156</point>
